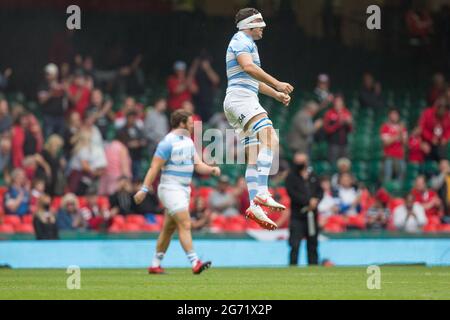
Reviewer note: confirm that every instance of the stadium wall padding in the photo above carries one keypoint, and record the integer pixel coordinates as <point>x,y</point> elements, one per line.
<point>223,253</point>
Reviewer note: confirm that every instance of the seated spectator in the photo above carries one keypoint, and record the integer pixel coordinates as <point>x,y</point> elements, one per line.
<point>441,183</point>
<point>122,200</point>
<point>416,147</point>
<point>322,94</point>
<point>348,195</point>
<point>410,216</point>
<point>181,86</point>
<point>378,214</point>
<point>434,123</point>
<point>27,139</point>
<point>428,198</point>
<point>5,118</point>
<point>5,158</point>
<point>150,203</point>
<point>221,201</point>
<point>71,131</point>
<point>394,136</point>
<point>56,163</point>
<point>303,128</point>
<point>79,92</point>
<point>156,124</point>
<point>44,221</point>
<point>37,190</point>
<point>329,204</point>
<point>118,165</point>
<point>132,136</point>
<point>69,216</point>
<point>370,95</point>
<point>437,89</point>
<point>129,105</point>
<point>101,113</point>
<point>337,123</point>
<point>98,218</point>
<point>200,215</point>
<point>17,198</point>
<point>344,165</point>
<point>87,164</point>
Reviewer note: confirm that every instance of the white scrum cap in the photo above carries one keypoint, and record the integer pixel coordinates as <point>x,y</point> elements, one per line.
<point>248,24</point>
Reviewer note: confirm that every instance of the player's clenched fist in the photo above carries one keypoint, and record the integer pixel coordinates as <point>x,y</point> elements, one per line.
<point>283,98</point>
<point>215,171</point>
<point>284,87</point>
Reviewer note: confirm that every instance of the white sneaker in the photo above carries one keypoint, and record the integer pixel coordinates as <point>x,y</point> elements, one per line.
<point>266,200</point>
<point>257,214</point>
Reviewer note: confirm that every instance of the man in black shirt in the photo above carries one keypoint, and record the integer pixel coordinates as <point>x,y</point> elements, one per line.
<point>51,97</point>
<point>303,188</point>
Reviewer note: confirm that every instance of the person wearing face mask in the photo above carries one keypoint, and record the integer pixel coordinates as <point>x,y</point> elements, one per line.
<point>303,187</point>
<point>44,221</point>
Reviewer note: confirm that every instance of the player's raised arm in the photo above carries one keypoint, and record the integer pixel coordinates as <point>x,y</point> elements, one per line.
<point>152,173</point>
<point>271,92</point>
<point>202,168</point>
<point>246,62</point>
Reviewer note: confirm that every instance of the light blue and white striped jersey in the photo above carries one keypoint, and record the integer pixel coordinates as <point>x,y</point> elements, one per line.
<point>178,151</point>
<point>237,78</point>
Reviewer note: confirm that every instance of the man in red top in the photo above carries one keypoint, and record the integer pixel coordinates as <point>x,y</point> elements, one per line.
<point>428,198</point>
<point>181,87</point>
<point>394,136</point>
<point>417,147</point>
<point>337,123</point>
<point>435,125</point>
<point>79,93</point>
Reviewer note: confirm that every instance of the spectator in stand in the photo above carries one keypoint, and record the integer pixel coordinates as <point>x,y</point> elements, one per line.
<point>87,163</point>
<point>221,201</point>
<point>441,183</point>
<point>348,195</point>
<point>5,158</point>
<point>394,136</point>
<point>337,123</point>
<point>118,165</point>
<point>69,216</point>
<point>5,118</point>
<point>129,105</point>
<point>79,93</point>
<point>322,94</point>
<point>417,148</point>
<point>150,203</point>
<point>134,139</point>
<point>437,89</point>
<point>4,78</point>
<point>100,111</point>
<point>17,198</point>
<point>378,214</point>
<point>200,215</point>
<point>122,200</point>
<point>434,123</point>
<point>329,204</point>
<point>37,190</point>
<point>344,165</point>
<point>51,97</point>
<point>71,131</point>
<point>44,221</point>
<point>208,81</point>
<point>27,138</point>
<point>189,107</point>
<point>428,198</point>
<point>181,87</point>
<point>370,95</point>
<point>303,128</point>
<point>241,194</point>
<point>156,124</point>
<point>98,217</point>
<point>55,161</point>
<point>410,216</point>
<point>419,25</point>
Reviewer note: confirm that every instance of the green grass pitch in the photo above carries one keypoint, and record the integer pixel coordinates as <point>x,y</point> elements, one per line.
<point>397,282</point>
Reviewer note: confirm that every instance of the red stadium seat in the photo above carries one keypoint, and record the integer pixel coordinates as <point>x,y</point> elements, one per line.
<point>159,219</point>
<point>357,221</point>
<point>148,227</point>
<point>82,202</point>
<point>103,202</point>
<point>24,228</point>
<point>430,228</point>
<point>252,225</point>
<point>12,220</point>
<point>336,219</point>
<point>114,228</point>
<point>135,219</point>
<point>236,219</point>
<point>56,204</point>
<point>118,220</point>
<point>234,227</point>
<point>6,228</point>
<point>28,218</point>
<point>131,227</point>
<point>444,228</point>
<point>333,228</point>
